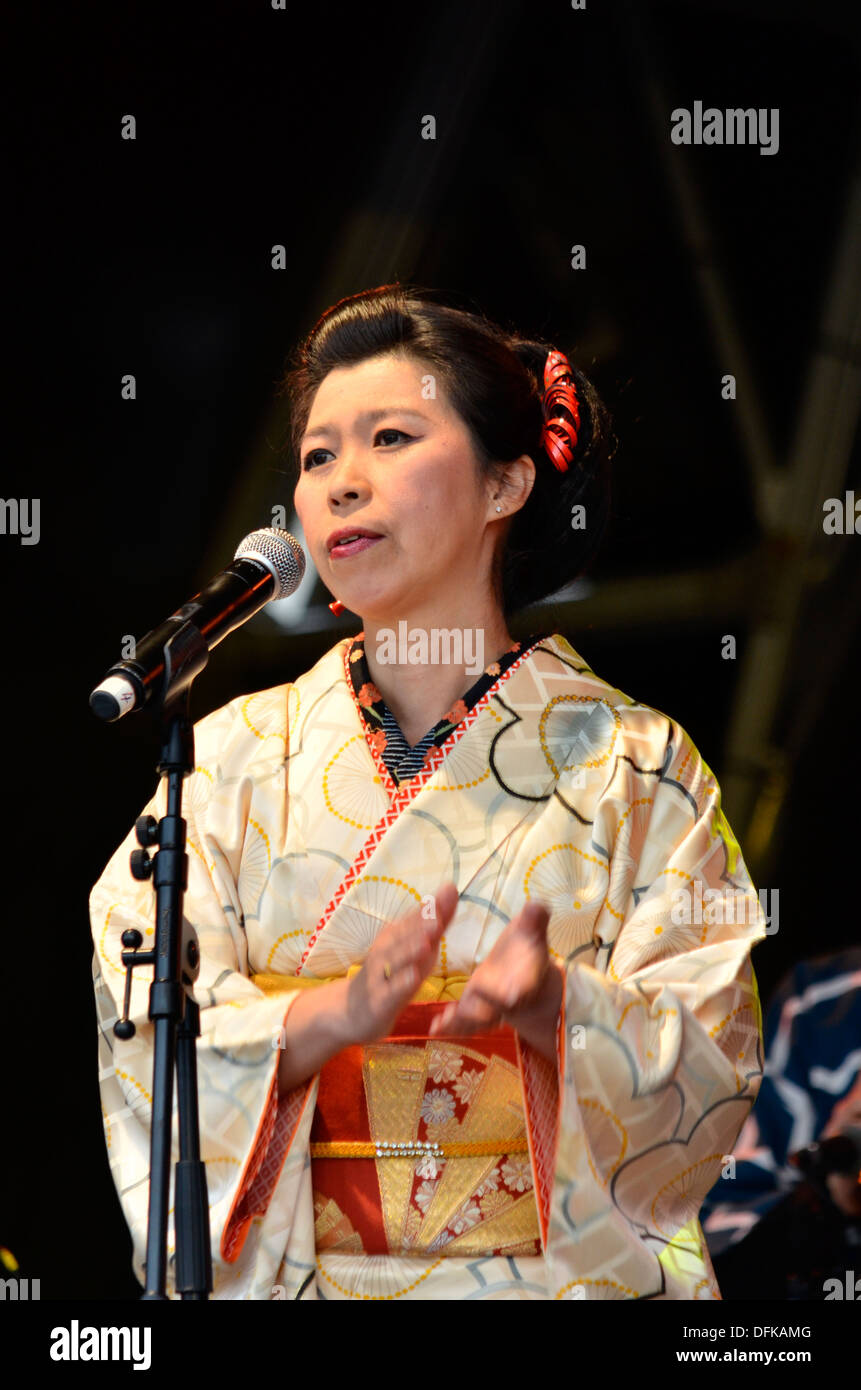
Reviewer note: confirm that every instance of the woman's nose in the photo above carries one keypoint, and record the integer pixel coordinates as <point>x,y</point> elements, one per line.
<point>348,482</point>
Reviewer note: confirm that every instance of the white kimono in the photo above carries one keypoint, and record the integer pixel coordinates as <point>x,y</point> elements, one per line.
<point>554,787</point>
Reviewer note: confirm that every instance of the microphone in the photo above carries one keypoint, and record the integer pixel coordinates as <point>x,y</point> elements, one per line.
<point>269,564</point>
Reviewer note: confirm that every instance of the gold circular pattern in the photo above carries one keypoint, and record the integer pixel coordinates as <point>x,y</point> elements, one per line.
<point>378,1297</point>
<point>255,864</point>
<point>347,790</point>
<point>597,761</point>
<point>571,884</point>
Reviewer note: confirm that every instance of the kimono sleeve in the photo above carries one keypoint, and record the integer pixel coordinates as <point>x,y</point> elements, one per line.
<point>246,1130</point>
<point>660,1036</point>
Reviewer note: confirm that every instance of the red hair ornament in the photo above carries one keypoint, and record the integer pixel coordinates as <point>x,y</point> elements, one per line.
<point>561,411</point>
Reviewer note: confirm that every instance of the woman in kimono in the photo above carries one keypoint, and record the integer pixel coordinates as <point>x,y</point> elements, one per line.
<point>478,1018</point>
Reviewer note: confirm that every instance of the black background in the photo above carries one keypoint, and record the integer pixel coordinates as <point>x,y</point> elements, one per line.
<point>257,127</point>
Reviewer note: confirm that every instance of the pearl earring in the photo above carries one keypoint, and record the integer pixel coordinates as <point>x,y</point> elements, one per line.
<point>499,509</point>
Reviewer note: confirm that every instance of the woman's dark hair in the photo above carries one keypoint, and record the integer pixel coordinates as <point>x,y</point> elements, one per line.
<point>495,382</point>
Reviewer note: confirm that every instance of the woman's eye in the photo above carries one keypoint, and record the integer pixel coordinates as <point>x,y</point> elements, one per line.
<point>311,459</point>
<point>391,431</point>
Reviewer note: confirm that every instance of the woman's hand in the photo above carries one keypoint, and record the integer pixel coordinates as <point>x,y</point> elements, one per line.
<point>398,961</point>
<point>321,1022</point>
<point>518,983</point>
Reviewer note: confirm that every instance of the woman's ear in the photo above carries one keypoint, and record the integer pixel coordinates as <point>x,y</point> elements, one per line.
<point>514,487</point>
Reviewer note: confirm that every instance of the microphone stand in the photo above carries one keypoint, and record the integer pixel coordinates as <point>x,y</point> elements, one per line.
<point>172,1010</point>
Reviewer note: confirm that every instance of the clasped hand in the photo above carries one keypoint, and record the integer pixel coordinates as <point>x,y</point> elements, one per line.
<point>518,983</point>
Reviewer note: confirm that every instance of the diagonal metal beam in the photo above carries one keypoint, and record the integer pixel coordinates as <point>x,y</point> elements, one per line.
<point>787,501</point>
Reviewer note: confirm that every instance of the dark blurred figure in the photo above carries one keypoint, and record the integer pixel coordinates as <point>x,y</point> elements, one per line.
<point>787,1224</point>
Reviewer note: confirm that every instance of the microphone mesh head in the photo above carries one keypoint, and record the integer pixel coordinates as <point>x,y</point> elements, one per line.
<point>280,552</point>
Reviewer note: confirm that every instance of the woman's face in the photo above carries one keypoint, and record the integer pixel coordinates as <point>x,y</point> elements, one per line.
<point>380,460</point>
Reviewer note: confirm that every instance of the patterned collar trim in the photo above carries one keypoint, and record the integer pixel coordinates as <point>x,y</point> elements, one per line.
<point>382,730</point>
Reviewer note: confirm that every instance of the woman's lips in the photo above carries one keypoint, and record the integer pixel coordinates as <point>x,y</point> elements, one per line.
<point>345,548</point>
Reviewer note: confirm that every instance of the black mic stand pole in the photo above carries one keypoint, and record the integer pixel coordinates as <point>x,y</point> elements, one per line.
<point>172,1010</point>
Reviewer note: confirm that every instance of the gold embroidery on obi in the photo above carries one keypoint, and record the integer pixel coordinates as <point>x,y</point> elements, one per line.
<point>333,1228</point>
<point>458,1205</point>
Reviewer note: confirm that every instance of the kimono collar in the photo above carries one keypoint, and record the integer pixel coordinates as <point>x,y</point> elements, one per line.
<point>384,732</point>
